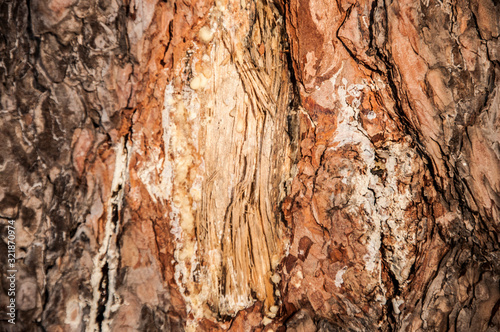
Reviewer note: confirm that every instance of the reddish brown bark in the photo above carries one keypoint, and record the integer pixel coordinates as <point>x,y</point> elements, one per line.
<point>249,165</point>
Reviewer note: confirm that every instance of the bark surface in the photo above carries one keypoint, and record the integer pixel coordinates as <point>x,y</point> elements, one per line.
<point>297,165</point>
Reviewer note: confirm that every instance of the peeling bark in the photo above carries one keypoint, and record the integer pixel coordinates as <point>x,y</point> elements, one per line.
<point>251,165</point>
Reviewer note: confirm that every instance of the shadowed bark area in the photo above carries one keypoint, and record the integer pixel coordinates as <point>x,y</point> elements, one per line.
<point>243,165</point>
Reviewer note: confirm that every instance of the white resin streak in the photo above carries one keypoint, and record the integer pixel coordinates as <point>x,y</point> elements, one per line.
<point>383,202</point>
<point>108,252</point>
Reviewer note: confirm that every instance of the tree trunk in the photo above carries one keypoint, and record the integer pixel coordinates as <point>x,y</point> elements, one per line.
<point>250,165</point>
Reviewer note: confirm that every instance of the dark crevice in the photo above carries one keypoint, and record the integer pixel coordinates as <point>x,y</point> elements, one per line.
<point>494,311</point>
<point>103,299</point>
<point>391,311</point>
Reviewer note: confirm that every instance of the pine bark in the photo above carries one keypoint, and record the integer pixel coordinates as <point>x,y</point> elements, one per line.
<point>248,165</point>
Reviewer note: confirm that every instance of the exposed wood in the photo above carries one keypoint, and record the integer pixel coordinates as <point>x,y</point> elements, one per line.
<point>251,165</point>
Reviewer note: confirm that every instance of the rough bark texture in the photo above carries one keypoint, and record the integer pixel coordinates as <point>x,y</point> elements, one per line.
<point>393,214</point>
<point>300,165</point>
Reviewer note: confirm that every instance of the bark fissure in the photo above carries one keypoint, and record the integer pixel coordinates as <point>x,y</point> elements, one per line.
<point>251,165</point>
